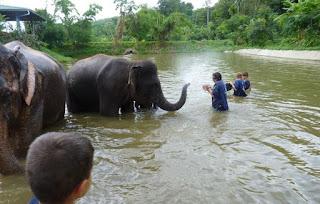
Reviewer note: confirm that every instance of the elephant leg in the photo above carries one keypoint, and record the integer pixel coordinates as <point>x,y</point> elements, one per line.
<point>72,103</point>
<point>27,127</point>
<point>8,162</point>
<point>108,107</point>
<point>128,107</point>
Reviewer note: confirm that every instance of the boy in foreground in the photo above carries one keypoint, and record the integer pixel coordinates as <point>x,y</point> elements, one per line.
<point>59,168</point>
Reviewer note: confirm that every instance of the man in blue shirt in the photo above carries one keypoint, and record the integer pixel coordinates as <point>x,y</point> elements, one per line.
<point>238,86</point>
<point>218,93</point>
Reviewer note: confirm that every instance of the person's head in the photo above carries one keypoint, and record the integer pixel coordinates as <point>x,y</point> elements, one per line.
<point>238,75</point>
<point>216,76</point>
<point>58,167</point>
<point>245,75</point>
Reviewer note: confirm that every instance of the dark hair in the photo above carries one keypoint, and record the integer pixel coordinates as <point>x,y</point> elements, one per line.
<point>245,74</point>
<point>217,76</point>
<point>56,164</point>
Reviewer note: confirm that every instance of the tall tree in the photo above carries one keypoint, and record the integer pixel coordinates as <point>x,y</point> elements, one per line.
<point>303,17</point>
<point>126,7</point>
<point>167,7</point>
<point>67,12</point>
<point>172,22</point>
<point>207,4</point>
<point>79,28</point>
<point>2,22</point>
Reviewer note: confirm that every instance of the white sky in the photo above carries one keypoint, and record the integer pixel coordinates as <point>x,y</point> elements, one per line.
<point>109,9</point>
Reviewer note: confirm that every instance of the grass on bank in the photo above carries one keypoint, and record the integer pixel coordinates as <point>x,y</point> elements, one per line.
<point>109,48</point>
<point>55,55</point>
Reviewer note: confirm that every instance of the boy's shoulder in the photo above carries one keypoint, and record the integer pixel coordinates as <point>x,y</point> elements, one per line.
<point>33,200</point>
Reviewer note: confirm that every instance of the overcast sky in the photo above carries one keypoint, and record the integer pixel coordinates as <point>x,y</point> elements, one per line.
<point>109,9</point>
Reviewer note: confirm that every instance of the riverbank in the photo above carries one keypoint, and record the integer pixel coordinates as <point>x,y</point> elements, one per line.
<point>109,48</point>
<point>289,54</point>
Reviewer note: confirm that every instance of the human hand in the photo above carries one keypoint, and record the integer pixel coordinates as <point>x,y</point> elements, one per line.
<point>205,87</point>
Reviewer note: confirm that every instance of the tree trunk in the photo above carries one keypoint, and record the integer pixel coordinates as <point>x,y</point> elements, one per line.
<point>119,29</point>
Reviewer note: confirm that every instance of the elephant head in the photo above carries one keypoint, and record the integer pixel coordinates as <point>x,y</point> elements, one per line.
<point>17,86</point>
<point>145,87</point>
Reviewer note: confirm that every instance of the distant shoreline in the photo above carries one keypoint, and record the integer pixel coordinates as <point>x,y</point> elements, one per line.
<point>290,54</point>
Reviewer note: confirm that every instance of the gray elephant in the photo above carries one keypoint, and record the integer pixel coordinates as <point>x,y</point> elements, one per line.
<point>106,84</point>
<point>32,96</point>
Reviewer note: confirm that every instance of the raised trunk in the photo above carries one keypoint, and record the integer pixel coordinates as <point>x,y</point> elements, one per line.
<point>8,162</point>
<point>166,105</point>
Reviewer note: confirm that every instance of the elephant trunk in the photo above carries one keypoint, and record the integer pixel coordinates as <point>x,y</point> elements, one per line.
<point>166,105</point>
<point>8,162</point>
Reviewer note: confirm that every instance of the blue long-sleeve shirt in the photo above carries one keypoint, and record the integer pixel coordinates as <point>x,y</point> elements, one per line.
<point>219,101</point>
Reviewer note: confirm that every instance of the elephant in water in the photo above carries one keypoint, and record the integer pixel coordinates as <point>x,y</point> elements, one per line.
<point>32,96</point>
<point>106,84</point>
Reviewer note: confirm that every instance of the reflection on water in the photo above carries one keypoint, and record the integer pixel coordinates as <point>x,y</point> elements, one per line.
<point>264,150</point>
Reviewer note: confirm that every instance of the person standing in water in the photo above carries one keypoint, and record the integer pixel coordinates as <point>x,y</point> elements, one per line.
<point>238,86</point>
<point>218,93</point>
<point>247,86</point>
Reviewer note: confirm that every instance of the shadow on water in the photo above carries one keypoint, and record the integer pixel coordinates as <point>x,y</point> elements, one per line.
<point>265,149</point>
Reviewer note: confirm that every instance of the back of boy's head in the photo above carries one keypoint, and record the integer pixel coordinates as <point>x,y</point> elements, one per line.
<point>238,75</point>
<point>56,164</point>
<point>245,74</point>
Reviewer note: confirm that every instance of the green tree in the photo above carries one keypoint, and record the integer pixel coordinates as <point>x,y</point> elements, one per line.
<point>234,29</point>
<point>142,25</point>
<point>79,28</point>
<point>167,7</point>
<point>257,32</point>
<point>94,9</point>
<point>2,22</point>
<point>51,33</point>
<point>172,22</point>
<point>104,29</point>
<point>65,10</point>
<point>199,17</point>
<point>220,12</point>
<point>126,8</point>
<point>302,18</point>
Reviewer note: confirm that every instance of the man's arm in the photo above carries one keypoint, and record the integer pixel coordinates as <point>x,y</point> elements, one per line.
<point>209,89</point>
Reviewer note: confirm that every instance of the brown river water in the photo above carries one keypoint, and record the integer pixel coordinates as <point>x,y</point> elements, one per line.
<point>265,149</point>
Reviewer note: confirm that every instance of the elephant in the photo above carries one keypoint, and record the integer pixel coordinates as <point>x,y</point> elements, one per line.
<point>32,97</point>
<point>108,84</point>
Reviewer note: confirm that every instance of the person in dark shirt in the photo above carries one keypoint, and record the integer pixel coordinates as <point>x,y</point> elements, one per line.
<point>59,168</point>
<point>238,86</point>
<point>218,93</point>
<point>247,86</point>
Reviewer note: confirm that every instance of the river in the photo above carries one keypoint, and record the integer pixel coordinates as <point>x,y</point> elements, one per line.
<point>265,149</point>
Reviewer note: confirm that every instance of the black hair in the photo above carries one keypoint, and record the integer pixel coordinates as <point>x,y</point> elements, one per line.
<point>217,76</point>
<point>56,164</point>
<point>245,74</point>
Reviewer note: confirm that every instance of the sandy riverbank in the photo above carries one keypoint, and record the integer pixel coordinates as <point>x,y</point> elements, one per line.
<point>291,54</point>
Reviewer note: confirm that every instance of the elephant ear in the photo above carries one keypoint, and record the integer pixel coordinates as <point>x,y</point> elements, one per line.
<point>27,77</point>
<point>134,74</point>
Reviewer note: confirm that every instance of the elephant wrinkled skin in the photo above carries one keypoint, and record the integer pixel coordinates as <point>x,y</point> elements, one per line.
<point>32,96</point>
<point>106,84</point>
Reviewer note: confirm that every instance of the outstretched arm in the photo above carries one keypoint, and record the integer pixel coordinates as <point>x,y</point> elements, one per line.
<point>207,87</point>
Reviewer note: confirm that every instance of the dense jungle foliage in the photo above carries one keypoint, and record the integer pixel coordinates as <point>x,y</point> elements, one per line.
<point>241,22</point>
